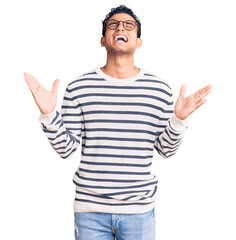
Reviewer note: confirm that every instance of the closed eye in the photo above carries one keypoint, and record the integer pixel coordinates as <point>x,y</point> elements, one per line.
<point>129,23</point>
<point>112,24</point>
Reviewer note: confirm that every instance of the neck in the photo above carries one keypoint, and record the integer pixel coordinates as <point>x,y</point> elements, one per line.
<point>120,66</point>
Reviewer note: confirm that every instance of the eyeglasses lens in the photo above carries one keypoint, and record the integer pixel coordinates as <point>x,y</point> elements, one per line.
<point>128,25</point>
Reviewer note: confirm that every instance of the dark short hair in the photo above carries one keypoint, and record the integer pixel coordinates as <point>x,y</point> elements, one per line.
<point>121,9</point>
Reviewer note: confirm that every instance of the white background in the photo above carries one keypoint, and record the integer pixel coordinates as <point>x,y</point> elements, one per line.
<point>185,41</point>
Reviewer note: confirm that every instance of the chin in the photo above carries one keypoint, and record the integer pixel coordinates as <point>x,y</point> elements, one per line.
<point>120,51</point>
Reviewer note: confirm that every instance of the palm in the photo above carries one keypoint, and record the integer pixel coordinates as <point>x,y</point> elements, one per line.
<point>185,106</point>
<point>46,100</point>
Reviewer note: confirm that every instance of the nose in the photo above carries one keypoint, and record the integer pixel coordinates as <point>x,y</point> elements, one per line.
<point>120,26</point>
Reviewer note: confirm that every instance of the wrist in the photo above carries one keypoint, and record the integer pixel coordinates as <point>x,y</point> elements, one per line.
<point>47,118</point>
<point>178,124</point>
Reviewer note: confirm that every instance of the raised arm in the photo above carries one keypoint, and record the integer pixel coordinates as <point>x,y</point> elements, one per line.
<point>168,142</point>
<point>63,130</point>
<point>186,106</point>
<point>46,100</point>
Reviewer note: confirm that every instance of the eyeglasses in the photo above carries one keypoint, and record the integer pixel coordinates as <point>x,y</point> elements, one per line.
<point>128,25</point>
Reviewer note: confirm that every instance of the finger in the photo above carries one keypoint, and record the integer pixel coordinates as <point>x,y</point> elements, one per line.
<point>55,85</point>
<point>206,88</point>
<point>33,89</point>
<point>182,91</point>
<point>202,95</point>
<point>32,79</point>
<point>26,78</point>
<point>200,103</point>
<point>32,82</point>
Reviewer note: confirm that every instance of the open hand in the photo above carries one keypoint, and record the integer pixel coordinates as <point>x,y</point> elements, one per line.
<point>185,106</point>
<point>46,100</point>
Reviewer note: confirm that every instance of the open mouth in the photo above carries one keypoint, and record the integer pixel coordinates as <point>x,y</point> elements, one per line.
<point>120,38</point>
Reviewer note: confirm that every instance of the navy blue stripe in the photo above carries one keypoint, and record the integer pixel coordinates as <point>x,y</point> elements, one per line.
<point>172,139</point>
<point>71,139</point>
<point>103,187</point>
<point>120,87</point>
<point>74,129</point>
<point>59,135</point>
<point>90,73</point>
<point>119,96</point>
<point>50,131</point>
<point>107,197</point>
<point>124,199</point>
<point>158,150</point>
<point>72,114</point>
<point>143,198</point>
<point>153,80</point>
<point>114,172</point>
<point>166,153</point>
<point>175,134</point>
<point>116,155</point>
<point>117,104</point>
<point>59,121</point>
<point>126,192</point>
<point>93,195</point>
<point>116,121</point>
<point>148,74</point>
<point>118,130</point>
<point>115,164</point>
<point>64,157</point>
<point>70,106</point>
<point>170,155</point>
<point>106,180</point>
<point>62,141</point>
<point>59,148</point>
<point>172,144</point>
<point>68,150</point>
<point>114,112</point>
<point>171,148</point>
<point>118,147</point>
<point>67,144</point>
<point>74,122</point>
<point>118,139</point>
<point>112,204</point>
<point>87,79</point>
<point>55,118</point>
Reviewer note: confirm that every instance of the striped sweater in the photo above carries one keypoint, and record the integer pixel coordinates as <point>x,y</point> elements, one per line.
<point>119,122</point>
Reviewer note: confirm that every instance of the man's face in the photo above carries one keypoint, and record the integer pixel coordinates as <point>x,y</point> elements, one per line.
<point>113,38</point>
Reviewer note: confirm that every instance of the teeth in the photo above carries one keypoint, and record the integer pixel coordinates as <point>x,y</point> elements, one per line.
<point>119,37</point>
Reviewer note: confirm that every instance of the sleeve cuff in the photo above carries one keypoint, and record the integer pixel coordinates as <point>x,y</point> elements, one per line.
<point>47,118</point>
<point>177,124</point>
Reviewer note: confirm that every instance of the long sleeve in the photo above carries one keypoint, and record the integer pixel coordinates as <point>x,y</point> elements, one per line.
<point>119,123</point>
<point>168,142</point>
<point>63,130</point>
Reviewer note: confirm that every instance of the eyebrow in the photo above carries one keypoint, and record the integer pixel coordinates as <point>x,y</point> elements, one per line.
<point>121,20</point>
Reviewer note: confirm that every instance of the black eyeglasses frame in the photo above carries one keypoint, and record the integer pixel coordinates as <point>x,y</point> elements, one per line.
<point>118,24</point>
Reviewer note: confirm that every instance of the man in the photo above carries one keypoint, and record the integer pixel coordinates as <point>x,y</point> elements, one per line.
<point>121,113</point>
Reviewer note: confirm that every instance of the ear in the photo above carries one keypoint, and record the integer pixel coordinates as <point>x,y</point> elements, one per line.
<point>139,43</point>
<point>103,41</point>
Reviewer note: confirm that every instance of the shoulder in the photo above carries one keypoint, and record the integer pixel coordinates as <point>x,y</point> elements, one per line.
<point>80,79</point>
<point>158,81</point>
<point>88,75</point>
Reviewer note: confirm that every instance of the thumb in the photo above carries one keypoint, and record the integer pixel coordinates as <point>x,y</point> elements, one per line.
<point>55,85</point>
<point>182,91</point>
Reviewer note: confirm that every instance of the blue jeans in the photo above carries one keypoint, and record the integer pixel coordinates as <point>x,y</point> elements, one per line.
<point>107,226</point>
